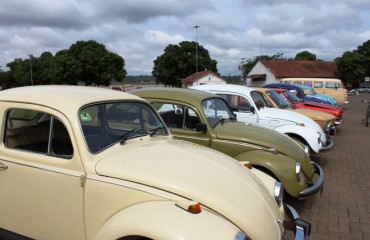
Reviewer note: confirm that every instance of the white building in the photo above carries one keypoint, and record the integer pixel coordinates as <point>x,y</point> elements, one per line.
<point>272,71</point>
<point>201,78</point>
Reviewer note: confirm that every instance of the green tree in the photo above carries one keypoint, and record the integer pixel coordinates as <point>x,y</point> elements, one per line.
<point>179,61</point>
<point>248,64</point>
<point>305,56</point>
<point>97,65</point>
<point>20,73</point>
<point>354,66</point>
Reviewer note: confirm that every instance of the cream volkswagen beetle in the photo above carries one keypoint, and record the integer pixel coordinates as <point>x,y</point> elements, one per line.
<point>92,163</point>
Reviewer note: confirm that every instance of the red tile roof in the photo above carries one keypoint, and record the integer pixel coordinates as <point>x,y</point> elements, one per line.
<point>308,69</point>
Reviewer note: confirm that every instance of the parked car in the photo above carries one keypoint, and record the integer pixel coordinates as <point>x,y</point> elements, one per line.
<point>325,120</point>
<point>251,107</point>
<point>311,92</point>
<point>297,90</point>
<point>92,163</point>
<point>294,102</point>
<point>206,119</point>
<point>363,90</point>
<point>328,86</point>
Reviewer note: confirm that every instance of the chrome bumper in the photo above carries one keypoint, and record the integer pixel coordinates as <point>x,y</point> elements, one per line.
<point>318,186</point>
<point>329,145</point>
<point>300,227</point>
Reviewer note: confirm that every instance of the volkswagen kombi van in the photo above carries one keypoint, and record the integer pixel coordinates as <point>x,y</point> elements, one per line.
<point>327,86</point>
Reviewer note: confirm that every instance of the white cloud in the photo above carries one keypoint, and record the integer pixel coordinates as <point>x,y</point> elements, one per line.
<point>140,30</point>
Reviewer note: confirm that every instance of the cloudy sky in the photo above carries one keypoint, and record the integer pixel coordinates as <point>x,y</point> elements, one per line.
<point>139,30</point>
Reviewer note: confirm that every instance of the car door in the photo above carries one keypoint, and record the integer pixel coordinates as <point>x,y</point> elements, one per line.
<point>40,176</point>
<point>182,121</point>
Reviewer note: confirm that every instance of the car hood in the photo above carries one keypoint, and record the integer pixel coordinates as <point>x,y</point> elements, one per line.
<point>200,174</point>
<point>263,137</point>
<point>293,117</point>
<point>326,98</point>
<point>315,115</point>
<point>319,105</point>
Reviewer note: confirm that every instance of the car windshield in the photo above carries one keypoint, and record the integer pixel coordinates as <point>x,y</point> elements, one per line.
<point>291,97</point>
<point>278,99</point>
<point>217,111</point>
<point>105,124</point>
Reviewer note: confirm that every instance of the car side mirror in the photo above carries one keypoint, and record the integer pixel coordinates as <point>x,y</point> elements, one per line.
<point>201,127</point>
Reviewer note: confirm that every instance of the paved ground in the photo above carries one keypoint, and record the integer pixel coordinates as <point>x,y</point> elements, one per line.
<point>343,209</point>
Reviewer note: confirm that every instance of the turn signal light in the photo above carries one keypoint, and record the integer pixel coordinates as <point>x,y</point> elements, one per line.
<point>248,165</point>
<point>190,206</point>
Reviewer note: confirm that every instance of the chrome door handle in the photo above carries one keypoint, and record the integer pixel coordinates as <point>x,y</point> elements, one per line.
<point>3,166</point>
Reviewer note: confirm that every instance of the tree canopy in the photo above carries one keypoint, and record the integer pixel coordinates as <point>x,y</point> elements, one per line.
<point>305,56</point>
<point>179,61</point>
<point>85,61</point>
<point>354,66</point>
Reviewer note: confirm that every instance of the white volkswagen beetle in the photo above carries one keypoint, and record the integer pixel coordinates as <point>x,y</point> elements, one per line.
<point>92,163</point>
<point>252,108</point>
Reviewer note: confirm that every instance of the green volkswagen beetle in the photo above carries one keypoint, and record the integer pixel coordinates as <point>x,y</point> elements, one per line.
<point>206,119</point>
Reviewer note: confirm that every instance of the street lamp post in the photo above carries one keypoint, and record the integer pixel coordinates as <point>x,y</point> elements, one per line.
<point>196,49</point>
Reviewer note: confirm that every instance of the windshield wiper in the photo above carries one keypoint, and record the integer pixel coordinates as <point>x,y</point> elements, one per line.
<point>124,137</point>
<point>153,131</point>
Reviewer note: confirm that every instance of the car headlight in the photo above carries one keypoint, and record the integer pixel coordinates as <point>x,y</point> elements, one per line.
<point>278,193</point>
<point>241,236</point>
<point>298,169</point>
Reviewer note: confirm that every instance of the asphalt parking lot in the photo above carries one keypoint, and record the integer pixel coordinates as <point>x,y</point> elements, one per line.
<point>343,209</point>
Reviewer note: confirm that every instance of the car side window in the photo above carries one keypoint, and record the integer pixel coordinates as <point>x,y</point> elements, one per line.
<point>259,100</point>
<point>177,115</point>
<point>37,132</point>
<point>318,84</point>
<point>236,102</point>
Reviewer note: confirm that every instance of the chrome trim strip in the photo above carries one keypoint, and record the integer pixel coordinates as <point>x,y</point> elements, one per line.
<point>64,172</point>
<point>118,182</point>
<point>223,141</point>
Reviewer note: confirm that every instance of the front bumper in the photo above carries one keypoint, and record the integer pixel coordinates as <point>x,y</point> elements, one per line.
<point>301,228</point>
<point>329,145</point>
<point>316,187</point>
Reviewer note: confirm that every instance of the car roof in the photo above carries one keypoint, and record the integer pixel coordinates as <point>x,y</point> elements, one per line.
<point>281,85</point>
<point>62,97</point>
<point>179,94</point>
<point>225,88</point>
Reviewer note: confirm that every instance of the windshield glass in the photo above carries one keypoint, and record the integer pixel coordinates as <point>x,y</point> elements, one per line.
<point>291,97</point>
<point>216,110</point>
<point>105,124</point>
<point>278,99</point>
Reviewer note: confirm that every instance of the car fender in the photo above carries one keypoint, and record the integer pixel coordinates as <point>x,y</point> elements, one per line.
<point>308,134</point>
<point>279,166</point>
<point>165,220</point>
